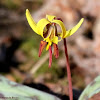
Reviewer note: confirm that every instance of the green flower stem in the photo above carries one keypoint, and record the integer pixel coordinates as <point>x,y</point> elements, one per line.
<point>68,71</point>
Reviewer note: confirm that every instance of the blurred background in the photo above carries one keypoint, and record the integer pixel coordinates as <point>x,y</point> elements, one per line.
<point>19,45</point>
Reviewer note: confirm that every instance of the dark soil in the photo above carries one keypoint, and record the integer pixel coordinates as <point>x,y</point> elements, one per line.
<point>39,86</point>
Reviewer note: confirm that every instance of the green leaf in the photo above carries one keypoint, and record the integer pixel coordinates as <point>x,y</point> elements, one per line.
<point>92,89</point>
<point>11,90</point>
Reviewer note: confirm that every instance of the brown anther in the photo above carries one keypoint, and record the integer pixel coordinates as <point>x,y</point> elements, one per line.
<point>42,46</point>
<point>56,51</point>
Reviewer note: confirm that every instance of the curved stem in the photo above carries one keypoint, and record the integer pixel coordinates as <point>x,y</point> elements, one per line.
<point>68,71</point>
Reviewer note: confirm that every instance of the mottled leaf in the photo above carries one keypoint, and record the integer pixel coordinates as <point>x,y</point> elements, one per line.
<point>13,91</point>
<point>92,89</point>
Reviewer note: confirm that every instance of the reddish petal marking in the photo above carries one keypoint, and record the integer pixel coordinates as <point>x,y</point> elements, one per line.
<point>42,46</point>
<point>50,56</point>
<point>56,51</point>
<point>60,19</point>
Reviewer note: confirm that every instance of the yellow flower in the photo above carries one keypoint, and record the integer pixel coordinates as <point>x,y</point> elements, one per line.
<point>46,27</point>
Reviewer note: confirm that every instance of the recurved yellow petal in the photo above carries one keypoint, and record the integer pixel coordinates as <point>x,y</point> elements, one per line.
<point>41,25</point>
<point>74,29</point>
<point>31,21</point>
<point>60,23</point>
<point>50,17</point>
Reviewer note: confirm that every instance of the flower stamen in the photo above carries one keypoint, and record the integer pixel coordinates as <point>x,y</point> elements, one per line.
<point>56,51</point>
<point>42,46</point>
<point>50,56</point>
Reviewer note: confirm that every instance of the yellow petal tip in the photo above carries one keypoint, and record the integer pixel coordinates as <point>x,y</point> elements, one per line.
<point>31,21</point>
<point>74,29</point>
<point>50,17</point>
<point>82,19</point>
<point>27,10</point>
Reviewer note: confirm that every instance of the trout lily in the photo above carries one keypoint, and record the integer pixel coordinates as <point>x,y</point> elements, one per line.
<point>47,28</point>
